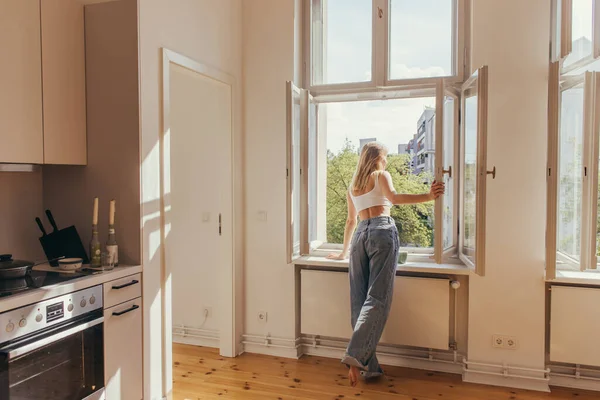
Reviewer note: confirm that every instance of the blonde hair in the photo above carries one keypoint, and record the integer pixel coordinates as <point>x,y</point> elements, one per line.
<point>370,157</point>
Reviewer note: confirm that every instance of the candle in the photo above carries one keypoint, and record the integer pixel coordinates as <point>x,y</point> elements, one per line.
<point>95,215</point>
<point>111,213</point>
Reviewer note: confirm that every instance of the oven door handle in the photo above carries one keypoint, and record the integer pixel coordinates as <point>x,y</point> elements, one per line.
<point>28,348</point>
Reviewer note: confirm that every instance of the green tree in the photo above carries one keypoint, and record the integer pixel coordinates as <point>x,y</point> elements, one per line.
<point>414,222</point>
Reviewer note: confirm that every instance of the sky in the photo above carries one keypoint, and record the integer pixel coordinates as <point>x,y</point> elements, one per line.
<point>421,46</point>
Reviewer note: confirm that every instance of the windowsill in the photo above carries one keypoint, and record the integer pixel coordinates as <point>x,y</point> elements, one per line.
<point>422,267</point>
<point>577,277</point>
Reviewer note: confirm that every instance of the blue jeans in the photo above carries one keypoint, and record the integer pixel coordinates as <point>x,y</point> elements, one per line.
<point>373,261</point>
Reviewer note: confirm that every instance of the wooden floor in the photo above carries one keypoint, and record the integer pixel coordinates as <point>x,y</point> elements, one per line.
<point>200,373</point>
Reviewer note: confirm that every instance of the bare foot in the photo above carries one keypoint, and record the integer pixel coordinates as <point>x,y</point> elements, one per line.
<point>353,375</point>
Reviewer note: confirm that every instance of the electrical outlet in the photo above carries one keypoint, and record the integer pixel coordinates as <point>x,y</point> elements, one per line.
<point>504,342</point>
<point>510,343</point>
<point>262,317</point>
<point>498,341</point>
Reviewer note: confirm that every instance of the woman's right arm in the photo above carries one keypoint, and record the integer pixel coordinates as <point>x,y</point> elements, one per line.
<point>385,180</point>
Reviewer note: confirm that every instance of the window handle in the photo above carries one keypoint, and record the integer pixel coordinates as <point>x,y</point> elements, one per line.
<point>492,173</point>
<point>447,171</point>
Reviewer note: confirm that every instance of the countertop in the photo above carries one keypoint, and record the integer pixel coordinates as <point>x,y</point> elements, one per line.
<point>48,292</point>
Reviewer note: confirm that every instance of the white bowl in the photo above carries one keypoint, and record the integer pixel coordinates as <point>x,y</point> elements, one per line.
<point>70,264</point>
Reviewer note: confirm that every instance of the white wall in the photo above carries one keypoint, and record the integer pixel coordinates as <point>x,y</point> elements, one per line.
<point>209,32</point>
<point>511,37</point>
<point>269,49</point>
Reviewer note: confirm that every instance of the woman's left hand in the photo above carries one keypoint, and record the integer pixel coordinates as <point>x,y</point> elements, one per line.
<point>337,256</point>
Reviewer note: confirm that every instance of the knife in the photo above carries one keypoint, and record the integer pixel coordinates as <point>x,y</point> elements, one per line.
<point>41,226</point>
<point>51,219</point>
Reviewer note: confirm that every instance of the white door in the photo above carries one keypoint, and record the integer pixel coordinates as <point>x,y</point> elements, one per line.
<point>198,205</point>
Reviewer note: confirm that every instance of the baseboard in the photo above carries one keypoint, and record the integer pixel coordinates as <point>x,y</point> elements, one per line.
<point>514,382</point>
<point>391,360</point>
<point>575,383</point>
<point>201,342</point>
<point>274,351</point>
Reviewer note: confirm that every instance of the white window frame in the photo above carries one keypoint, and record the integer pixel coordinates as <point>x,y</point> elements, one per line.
<point>381,88</point>
<point>293,248</point>
<point>591,142</point>
<point>478,82</point>
<point>561,34</point>
<point>380,52</point>
<point>440,90</point>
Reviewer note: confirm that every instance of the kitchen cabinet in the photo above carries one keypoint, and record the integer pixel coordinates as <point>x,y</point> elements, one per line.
<point>21,134</point>
<point>63,72</point>
<point>123,349</point>
<point>42,76</point>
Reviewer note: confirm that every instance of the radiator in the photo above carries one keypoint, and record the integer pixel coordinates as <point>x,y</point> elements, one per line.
<point>420,314</point>
<point>575,325</point>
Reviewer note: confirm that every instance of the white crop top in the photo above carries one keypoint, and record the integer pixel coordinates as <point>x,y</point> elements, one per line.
<point>370,199</point>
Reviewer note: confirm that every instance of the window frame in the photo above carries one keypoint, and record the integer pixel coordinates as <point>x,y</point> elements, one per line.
<point>440,90</point>
<point>591,144</point>
<point>478,81</point>
<point>380,55</point>
<point>561,40</point>
<point>293,249</point>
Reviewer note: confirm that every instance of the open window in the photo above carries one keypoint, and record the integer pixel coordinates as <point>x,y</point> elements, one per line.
<point>293,171</point>
<point>573,228</point>
<point>330,133</point>
<point>575,33</point>
<point>446,156</point>
<point>474,170</point>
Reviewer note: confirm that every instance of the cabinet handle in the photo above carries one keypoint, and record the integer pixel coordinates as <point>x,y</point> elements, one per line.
<point>133,307</point>
<point>133,282</point>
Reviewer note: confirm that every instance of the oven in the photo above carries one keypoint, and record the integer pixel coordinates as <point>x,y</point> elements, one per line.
<point>59,353</point>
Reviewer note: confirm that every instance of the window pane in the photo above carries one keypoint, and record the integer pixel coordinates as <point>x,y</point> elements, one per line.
<point>421,38</point>
<point>581,33</point>
<point>570,177</point>
<point>341,41</point>
<point>448,214</point>
<point>470,178</point>
<point>406,127</point>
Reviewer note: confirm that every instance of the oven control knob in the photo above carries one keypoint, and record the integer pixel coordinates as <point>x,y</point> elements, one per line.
<point>83,303</point>
<point>23,323</point>
<point>38,318</point>
<point>92,300</point>
<point>70,307</point>
<point>10,327</point>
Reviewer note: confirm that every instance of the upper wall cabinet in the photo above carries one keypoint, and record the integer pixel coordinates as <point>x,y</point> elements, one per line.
<point>63,73</point>
<point>21,132</point>
<point>42,81</point>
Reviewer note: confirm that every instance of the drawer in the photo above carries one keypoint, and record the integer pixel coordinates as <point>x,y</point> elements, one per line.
<point>122,290</point>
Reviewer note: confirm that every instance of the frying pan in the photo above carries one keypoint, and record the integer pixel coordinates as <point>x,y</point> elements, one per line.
<point>11,269</point>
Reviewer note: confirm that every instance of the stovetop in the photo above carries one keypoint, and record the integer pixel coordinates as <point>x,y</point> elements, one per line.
<point>35,280</point>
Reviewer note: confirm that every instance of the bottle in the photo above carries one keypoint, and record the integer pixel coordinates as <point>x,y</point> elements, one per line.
<point>112,247</point>
<point>95,250</point>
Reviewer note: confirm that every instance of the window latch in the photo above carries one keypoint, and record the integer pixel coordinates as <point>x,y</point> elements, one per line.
<point>219,224</point>
<point>447,171</point>
<point>492,173</point>
<point>380,11</point>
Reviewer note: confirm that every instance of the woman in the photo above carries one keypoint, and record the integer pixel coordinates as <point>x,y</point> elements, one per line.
<point>374,255</point>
